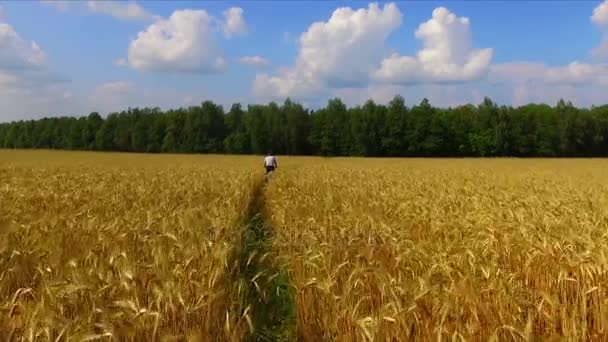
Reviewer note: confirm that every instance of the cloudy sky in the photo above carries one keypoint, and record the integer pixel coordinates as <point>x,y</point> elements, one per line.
<point>74,57</point>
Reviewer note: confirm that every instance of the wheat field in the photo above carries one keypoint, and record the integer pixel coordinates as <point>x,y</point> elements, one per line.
<point>119,247</point>
<point>475,250</point>
<point>125,247</point>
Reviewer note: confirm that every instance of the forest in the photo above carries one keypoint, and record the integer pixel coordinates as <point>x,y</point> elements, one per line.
<point>370,129</point>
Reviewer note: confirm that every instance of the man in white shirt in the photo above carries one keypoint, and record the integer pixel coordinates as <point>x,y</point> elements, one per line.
<point>270,163</point>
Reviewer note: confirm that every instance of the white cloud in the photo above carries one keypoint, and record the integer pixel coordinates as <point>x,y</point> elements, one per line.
<point>600,18</point>
<point>26,84</point>
<point>347,51</point>
<point>123,10</point>
<point>340,52</point>
<point>344,55</point>
<point>182,43</point>
<point>256,61</point>
<point>448,54</point>
<point>600,14</point>
<point>448,70</point>
<point>574,74</point>
<point>62,5</point>
<point>16,52</point>
<point>234,22</point>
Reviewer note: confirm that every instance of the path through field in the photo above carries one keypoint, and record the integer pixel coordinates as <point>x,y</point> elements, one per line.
<point>261,287</point>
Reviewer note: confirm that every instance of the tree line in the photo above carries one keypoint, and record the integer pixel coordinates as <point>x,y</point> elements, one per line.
<point>371,129</point>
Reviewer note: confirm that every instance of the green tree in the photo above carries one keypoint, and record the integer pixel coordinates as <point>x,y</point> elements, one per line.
<point>393,142</point>
<point>334,130</point>
<point>238,140</point>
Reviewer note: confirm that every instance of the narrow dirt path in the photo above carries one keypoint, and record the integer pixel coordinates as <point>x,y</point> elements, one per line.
<point>260,287</point>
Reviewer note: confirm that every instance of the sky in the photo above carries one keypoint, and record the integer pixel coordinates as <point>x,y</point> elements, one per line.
<point>74,57</point>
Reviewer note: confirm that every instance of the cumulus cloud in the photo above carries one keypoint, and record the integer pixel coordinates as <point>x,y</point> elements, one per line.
<point>182,43</point>
<point>257,61</point>
<point>123,10</point>
<point>600,14</point>
<point>448,70</point>
<point>27,85</point>
<point>234,22</point>
<point>600,18</point>
<point>448,54</point>
<point>347,52</point>
<point>340,52</point>
<point>17,53</point>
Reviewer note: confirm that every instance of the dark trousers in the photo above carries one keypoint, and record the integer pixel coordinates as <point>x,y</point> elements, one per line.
<point>269,168</point>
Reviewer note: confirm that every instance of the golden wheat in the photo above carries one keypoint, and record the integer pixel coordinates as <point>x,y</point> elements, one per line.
<point>132,247</point>
<point>119,246</point>
<point>476,250</point>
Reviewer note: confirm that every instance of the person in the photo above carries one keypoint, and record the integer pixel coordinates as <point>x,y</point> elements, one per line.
<point>270,163</point>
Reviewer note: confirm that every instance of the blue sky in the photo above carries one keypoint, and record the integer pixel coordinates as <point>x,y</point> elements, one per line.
<point>90,55</point>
